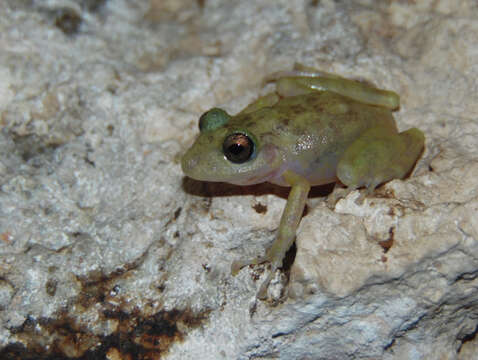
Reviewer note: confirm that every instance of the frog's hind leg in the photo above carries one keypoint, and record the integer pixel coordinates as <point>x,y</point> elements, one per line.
<point>304,80</point>
<point>300,70</point>
<point>379,155</point>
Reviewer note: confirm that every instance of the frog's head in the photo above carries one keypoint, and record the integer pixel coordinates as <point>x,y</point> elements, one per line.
<point>224,151</point>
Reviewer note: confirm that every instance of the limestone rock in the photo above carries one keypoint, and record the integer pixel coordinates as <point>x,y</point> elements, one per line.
<point>106,250</point>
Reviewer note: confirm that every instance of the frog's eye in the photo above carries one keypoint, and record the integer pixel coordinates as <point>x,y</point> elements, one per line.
<point>213,119</point>
<point>238,148</point>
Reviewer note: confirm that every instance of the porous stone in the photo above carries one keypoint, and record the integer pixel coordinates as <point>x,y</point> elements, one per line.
<point>106,250</point>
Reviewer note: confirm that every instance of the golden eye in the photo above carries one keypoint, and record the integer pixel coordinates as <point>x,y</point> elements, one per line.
<point>238,148</point>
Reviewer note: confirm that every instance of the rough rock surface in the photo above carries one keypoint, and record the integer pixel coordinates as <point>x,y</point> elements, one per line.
<point>106,251</point>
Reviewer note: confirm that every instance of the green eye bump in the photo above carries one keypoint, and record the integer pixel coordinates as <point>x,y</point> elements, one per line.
<point>238,148</point>
<point>213,119</point>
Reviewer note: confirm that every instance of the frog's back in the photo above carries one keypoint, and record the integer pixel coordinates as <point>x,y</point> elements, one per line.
<point>313,130</point>
<point>330,116</point>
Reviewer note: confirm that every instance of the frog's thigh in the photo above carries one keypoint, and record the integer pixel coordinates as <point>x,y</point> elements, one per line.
<point>378,156</point>
<point>356,90</point>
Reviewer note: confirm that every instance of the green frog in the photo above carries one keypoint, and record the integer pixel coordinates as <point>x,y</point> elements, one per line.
<point>316,128</point>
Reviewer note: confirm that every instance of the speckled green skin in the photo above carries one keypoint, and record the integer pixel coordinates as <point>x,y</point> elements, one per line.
<point>307,134</point>
<point>316,129</point>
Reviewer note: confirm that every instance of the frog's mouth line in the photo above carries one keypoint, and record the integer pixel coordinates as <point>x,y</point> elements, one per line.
<point>257,179</point>
<point>274,161</point>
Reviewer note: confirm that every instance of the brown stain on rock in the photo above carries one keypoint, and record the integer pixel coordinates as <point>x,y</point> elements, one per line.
<point>137,334</point>
<point>260,208</point>
<point>387,244</point>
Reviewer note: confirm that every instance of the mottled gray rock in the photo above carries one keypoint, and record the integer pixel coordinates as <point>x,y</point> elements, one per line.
<point>107,250</point>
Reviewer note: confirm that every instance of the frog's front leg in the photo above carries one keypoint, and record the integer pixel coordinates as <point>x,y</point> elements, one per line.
<point>299,82</point>
<point>286,233</point>
<point>379,155</point>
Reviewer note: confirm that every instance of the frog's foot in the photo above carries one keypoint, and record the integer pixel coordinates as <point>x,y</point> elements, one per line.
<point>304,80</point>
<point>340,192</point>
<point>262,292</point>
<point>239,264</point>
<point>380,155</point>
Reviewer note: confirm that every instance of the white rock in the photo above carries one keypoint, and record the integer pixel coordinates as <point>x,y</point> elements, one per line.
<point>100,234</point>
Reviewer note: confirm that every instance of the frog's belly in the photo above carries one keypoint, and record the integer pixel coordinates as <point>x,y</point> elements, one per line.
<point>318,171</point>
<point>321,171</point>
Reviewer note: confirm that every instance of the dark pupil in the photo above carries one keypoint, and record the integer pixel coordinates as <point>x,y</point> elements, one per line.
<point>238,148</point>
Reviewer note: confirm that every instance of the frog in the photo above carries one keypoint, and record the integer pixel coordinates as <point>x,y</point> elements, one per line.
<point>316,128</point>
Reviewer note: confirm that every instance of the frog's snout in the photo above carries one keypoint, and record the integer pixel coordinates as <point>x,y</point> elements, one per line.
<point>197,166</point>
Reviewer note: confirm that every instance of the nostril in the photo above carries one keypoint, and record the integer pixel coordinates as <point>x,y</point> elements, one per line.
<point>188,163</point>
